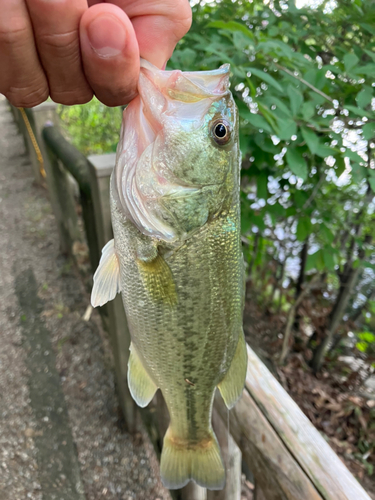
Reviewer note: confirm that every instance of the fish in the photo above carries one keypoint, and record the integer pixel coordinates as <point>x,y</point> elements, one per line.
<point>177,260</point>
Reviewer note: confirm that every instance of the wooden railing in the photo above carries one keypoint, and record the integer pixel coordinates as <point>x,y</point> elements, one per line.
<point>265,434</point>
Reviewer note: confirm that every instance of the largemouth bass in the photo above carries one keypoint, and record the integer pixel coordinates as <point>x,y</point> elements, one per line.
<point>176,258</point>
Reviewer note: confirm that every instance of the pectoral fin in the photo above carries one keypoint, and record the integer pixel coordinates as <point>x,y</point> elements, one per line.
<point>107,277</point>
<point>141,386</point>
<point>158,279</point>
<point>232,385</point>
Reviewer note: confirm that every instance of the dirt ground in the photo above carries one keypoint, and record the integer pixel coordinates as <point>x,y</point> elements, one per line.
<point>106,462</point>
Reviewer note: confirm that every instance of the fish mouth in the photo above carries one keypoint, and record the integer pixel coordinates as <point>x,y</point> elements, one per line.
<point>189,86</point>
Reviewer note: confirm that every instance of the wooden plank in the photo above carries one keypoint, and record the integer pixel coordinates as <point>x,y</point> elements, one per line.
<point>114,317</point>
<point>193,492</point>
<point>101,167</point>
<point>274,468</point>
<point>303,441</point>
<point>232,458</point>
<point>259,495</point>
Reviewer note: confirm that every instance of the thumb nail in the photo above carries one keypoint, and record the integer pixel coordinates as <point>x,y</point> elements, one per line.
<point>107,36</point>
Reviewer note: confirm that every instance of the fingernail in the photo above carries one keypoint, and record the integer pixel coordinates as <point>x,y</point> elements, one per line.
<point>106,35</point>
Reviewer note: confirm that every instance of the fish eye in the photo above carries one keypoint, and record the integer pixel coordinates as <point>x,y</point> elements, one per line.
<point>221,132</point>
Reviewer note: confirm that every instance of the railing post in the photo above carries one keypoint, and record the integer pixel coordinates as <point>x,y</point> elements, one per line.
<point>232,457</point>
<point>193,492</point>
<point>258,493</point>
<point>101,167</point>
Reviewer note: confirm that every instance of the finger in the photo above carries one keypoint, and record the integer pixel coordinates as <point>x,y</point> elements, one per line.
<point>110,54</point>
<point>22,79</point>
<point>158,26</point>
<point>56,28</point>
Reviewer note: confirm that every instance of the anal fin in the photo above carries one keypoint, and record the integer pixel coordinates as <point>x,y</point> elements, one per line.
<point>232,385</point>
<point>107,277</point>
<point>141,386</point>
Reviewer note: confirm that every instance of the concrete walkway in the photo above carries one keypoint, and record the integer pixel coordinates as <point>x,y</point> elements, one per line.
<point>61,432</point>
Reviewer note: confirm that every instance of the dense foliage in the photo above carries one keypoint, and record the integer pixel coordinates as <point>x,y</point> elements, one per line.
<point>303,80</point>
<point>92,128</point>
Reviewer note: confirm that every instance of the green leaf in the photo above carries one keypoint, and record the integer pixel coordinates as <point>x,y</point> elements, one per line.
<point>231,26</point>
<point>310,76</point>
<point>371,181</point>
<point>311,139</point>
<point>300,198</point>
<point>350,60</point>
<point>358,111</point>
<point>258,221</point>
<point>266,77</point>
<point>364,97</point>
<point>361,346</point>
<point>187,57</point>
<point>367,337</point>
<point>303,228</point>
<point>259,122</point>
<point>315,261</point>
<point>286,128</point>
<point>244,143</point>
<point>245,223</point>
<point>271,100</point>
<point>339,165</point>
<point>308,110</point>
<point>324,151</point>
<point>256,120</point>
<point>326,233</point>
<point>328,259</point>
<point>358,172</point>
<point>353,156</point>
<point>240,40</point>
<point>368,131</point>
<point>296,99</point>
<point>265,144</point>
<point>368,69</point>
<point>297,163</point>
<point>369,52</point>
<point>273,31</point>
<point>262,180</point>
<point>276,210</point>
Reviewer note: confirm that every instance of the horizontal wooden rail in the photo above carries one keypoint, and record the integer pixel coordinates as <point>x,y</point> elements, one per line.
<point>303,441</point>
<point>73,160</point>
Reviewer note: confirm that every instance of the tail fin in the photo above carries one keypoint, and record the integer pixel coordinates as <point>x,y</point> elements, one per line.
<point>201,462</point>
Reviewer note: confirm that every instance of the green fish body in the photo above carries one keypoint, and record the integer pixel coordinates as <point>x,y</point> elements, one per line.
<point>176,258</point>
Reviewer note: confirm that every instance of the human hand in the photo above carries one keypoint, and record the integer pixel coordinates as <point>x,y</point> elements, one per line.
<point>72,49</point>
